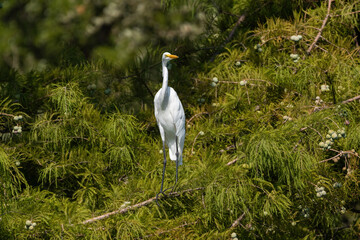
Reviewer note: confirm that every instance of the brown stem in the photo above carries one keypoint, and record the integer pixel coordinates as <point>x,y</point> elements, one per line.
<point>138,205</point>
<point>196,115</point>
<point>321,28</point>
<point>237,221</point>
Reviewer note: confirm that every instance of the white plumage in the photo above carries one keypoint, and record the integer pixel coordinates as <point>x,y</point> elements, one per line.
<point>170,114</point>
<point>170,117</point>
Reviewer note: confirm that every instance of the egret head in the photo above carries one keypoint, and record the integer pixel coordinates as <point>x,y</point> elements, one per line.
<point>166,57</point>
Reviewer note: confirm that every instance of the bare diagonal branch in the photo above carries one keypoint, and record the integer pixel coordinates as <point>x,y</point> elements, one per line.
<point>321,28</point>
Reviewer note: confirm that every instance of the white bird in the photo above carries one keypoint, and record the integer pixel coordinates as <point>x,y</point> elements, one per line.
<point>170,117</point>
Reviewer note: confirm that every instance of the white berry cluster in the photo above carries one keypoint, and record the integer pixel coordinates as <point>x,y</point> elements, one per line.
<point>320,191</point>
<point>18,118</point>
<point>91,86</point>
<point>295,57</point>
<point>214,82</point>
<point>201,100</point>
<point>29,225</point>
<point>343,210</point>
<point>287,118</point>
<point>325,88</point>
<point>243,82</point>
<point>318,100</point>
<point>337,185</point>
<point>305,212</point>
<point>331,136</point>
<point>17,130</point>
<point>258,48</point>
<point>234,236</point>
<point>296,38</point>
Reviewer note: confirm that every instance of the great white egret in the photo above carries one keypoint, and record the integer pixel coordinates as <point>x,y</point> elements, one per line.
<point>170,117</point>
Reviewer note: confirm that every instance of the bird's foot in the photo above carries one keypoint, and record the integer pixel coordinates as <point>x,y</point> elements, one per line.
<point>172,189</point>
<point>157,196</point>
<point>163,193</point>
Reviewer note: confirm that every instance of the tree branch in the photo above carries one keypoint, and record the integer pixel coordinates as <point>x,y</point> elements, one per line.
<point>138,205</point>
<point>351,99</point>
<point>6,114</point>
<point>321,28</point>
<point>231,35</point>
<point>237,221</point>
<point>234,161</point>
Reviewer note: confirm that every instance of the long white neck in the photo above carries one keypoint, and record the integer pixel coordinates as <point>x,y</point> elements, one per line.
<point>165,74</point>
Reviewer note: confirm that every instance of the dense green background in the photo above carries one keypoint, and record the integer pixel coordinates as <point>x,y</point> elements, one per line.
<point>258,103</point>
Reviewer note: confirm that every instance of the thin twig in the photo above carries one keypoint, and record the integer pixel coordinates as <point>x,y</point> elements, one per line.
<point>304,128</point>
<point>196,115</point>
<point>339,15</point>
<point>237,221</point>
<point>321,28</point>
<point>231,35</point>
<point>351,99</point>
<point>192,148</point>
<point>138,205</point>
<point>6,114</point>
<point>234,161</point>
<point>340,153</point>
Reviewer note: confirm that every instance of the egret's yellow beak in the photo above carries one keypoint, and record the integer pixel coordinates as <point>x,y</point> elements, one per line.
<point>172,56</point>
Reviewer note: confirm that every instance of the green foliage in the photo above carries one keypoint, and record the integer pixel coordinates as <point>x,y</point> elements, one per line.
<point>258,104</point>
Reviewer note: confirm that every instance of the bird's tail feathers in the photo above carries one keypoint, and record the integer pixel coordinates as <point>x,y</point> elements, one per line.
<point>173,156</point>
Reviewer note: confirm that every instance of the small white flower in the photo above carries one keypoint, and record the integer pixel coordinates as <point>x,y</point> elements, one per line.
<point>238,63</point>
<point>325,88</point>
<point>28,222</point>
<point>161,151</point>
<point>213,84</point>
<point>215,79</point>
<point>243,83</point>
<point>334,135</point>
<point>233,235</point>
<point>201,133</point>
<point>294,56</point>
<point>294,38</point>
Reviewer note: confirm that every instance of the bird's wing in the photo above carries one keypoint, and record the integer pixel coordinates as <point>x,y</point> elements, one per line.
<point>156,99</point>
<point>177,113</point>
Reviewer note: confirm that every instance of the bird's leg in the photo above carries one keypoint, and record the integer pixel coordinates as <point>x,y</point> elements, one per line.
<point>163,175</point>
<point>177,166</point>
<point>177,161</point>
